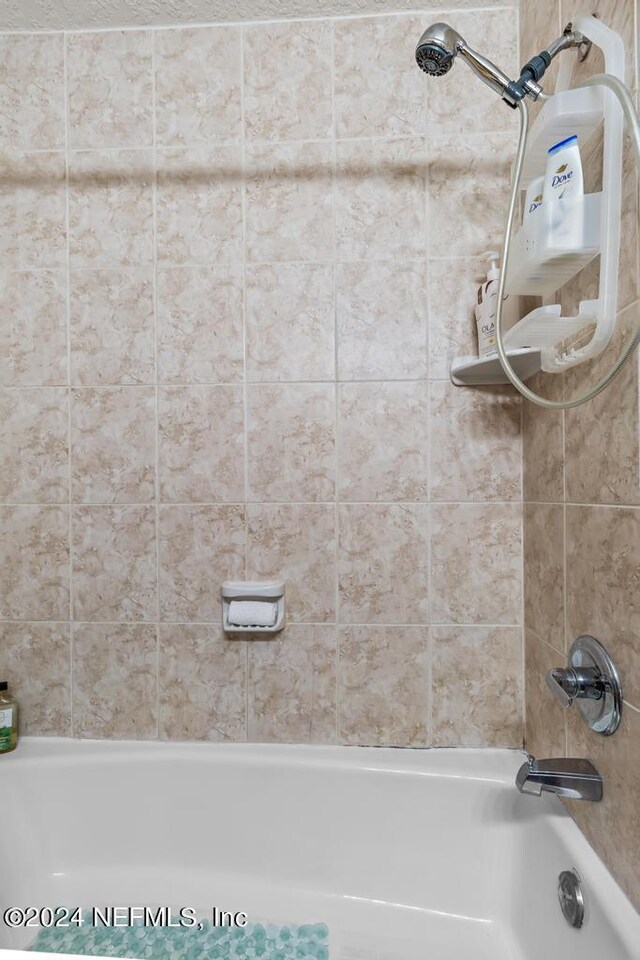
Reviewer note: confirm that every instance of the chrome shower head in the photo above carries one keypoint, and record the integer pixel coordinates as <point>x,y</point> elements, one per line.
<point>440,44</point>
<point>437,48</point>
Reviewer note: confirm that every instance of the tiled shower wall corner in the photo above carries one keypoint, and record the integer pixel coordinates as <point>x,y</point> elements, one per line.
<point>237,261</point>
<point>582,510</point>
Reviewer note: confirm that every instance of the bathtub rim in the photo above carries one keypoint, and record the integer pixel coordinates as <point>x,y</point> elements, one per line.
<point>495,768</point>
<point>481,764</point>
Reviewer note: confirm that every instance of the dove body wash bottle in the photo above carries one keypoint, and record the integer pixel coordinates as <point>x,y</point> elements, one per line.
<point>563,192</point>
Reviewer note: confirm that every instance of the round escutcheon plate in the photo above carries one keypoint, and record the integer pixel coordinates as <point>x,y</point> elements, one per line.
<point>604,714</point>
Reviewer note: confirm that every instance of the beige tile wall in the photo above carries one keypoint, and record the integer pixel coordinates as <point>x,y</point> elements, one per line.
<point>238,260</point>
<point>582,516</point>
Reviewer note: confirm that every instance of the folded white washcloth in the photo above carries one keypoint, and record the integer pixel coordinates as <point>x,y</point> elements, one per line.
<point>252,613</point>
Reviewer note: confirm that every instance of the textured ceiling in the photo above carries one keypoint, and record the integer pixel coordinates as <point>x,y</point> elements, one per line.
<point>81,14</point>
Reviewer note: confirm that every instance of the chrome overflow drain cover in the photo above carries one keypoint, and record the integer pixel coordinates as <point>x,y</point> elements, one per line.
<point>571,898</point>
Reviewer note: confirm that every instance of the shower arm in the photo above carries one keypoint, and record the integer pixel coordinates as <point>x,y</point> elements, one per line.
<point>485,70</point>
<point>535,68</point>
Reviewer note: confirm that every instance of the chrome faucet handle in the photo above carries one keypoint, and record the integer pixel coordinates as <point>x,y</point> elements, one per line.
<point>591,679</point>
<point>571,684</point>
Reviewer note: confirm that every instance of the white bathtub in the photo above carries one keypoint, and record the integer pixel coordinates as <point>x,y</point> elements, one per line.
<point>405,854</point>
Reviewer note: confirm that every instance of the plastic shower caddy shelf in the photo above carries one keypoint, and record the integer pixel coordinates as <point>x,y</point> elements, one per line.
<point>544,257</point>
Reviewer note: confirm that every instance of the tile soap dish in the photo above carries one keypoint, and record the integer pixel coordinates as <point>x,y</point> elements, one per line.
<point>253,606</point>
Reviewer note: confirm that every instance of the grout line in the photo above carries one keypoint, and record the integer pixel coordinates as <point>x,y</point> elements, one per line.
<point>523,533</point>
<point>429,732</point>
<point>523,674</point>
<point>243,202</point>
<point>154,201</point>
<point>261,22</point>
<point>336,391</point>
<point>253,384</point>
<point>245,387</point>
<point>564,547</point>
<point>266,504</point>
<point>69,378</point>
<point>223,384</point>
<point>132,266</point>
<point>300,623</point>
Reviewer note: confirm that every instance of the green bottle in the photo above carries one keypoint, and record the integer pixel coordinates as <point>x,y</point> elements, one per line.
<point>8,719</point>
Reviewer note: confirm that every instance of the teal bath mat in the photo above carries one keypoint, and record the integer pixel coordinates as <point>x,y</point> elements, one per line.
<point>256,940</point>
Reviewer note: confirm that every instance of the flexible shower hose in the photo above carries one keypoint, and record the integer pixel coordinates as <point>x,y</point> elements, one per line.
<point>606,80</point>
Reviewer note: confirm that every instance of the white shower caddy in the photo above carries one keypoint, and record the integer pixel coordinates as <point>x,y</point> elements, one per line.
<point>540,262</point>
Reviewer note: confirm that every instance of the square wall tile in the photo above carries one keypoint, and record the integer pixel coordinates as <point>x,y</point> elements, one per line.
<point>33,211</point>
<point>545,718</point>
<point>203,684</point>
<point>543,463</point>
<point>287,80</point>
<point>382,321</point>
<point>290,322</point>
<point>383,563</point>
<point>200,324</point>
<point>602,437</point>
<point>34,563</point>
<point>468,191</point>
<point>197,75</point>
<point>112,326</point>
<point>476,686</point>
<point>110,208</point>
<point>35,659</point>
<point>453,288</point>
<point>296,542</point>
<point>369,51</point>
<point>291,432</point>
<point>450,107</point>
<point>201,444</point>
<point>200,546</point>
<point>115,682</point>
<point>110,89</point>
<point>34,426</point>
<point>32,91</point>
<point>603,560</point>
<point>289,202</point>
<point>292,686</point>
<point>33,329</point>
<point>114,563</point>
<point>476,444</point>
<point>544,571</point>
<point>113,444</point>
<point>381,199</point>
<point>383,439</point>
<point>383,695</point>
<point>199,205</point>
<point>476,563</point>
